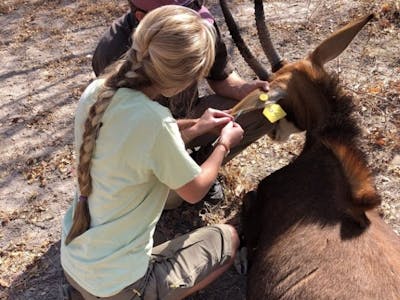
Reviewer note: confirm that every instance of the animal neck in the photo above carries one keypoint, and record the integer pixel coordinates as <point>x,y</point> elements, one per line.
<point>363,193</point>
<point>339,133</point>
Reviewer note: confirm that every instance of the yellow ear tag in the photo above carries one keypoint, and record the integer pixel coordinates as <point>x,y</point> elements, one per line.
<point>274,112</point>
<point>263,97</point>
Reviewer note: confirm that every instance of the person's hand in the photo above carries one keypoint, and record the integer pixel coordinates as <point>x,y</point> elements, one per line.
<point>213,120</point>
<point>248,87</point>
<point>235,87</point>
<point>231,134</point>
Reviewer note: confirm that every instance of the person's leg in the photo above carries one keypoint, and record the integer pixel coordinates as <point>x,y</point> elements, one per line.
<point>131,292</point>
<point>217,272</point>
<point>173,200</point>
<point>75,291</point>
<point>190,262</point>
<point>69,292</point>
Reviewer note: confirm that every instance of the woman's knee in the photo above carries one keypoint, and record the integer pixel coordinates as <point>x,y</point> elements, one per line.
<point>234,236</point>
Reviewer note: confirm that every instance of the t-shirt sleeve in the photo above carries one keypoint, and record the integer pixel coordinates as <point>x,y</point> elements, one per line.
<point>171,163</point>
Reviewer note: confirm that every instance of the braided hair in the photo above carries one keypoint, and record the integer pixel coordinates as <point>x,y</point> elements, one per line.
<point>172,48</point>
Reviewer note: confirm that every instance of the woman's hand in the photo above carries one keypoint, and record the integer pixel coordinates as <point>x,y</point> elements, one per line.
<point>231,135</point>
<point>212,120</point>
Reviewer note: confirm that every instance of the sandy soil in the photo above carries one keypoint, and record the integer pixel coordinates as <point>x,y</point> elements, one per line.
<point>45,54</point>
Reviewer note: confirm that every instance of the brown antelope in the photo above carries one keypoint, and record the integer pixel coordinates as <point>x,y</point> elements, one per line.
<point>310,227</point>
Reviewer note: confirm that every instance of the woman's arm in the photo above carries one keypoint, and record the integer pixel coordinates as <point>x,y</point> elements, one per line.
<point>186,123</point>
<point>196,189</point>
<point>211,120</point>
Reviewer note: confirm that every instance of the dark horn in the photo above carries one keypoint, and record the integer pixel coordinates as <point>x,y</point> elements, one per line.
<point>260,71</point>
<point>265,38</point>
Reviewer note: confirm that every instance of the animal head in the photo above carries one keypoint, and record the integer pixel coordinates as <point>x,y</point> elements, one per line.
<point>298,87</point>
<point>313,102</point>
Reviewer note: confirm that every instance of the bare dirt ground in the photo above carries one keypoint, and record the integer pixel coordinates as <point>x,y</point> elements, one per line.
<point>45,55</point>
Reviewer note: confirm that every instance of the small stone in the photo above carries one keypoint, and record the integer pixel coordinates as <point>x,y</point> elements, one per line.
<point>396,160</point>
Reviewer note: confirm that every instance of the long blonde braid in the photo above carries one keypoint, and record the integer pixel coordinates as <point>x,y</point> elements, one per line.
<point>153,60</point>
<point>123,75</point>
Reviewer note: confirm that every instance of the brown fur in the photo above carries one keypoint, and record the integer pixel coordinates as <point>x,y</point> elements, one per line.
<point>309,236</point>
<point>310,227</point>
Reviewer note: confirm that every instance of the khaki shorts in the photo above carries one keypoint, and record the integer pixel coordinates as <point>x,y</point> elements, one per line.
<point>178,265</point>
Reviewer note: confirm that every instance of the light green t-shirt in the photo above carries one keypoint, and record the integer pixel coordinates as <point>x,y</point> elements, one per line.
<point>139,156</point>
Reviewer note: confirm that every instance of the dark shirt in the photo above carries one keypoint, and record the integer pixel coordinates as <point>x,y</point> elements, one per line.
<point>114,43</point>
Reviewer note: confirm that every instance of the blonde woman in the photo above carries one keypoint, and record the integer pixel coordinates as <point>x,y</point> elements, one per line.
<point>131,153</point>
<point>226,87</point>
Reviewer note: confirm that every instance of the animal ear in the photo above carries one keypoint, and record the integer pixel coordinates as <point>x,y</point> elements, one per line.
<point>337,42</point>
